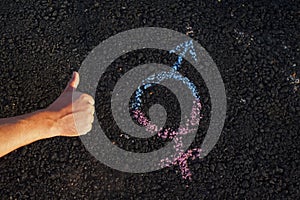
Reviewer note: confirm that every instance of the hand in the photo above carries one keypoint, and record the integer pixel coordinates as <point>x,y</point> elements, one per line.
<point>72,118</point>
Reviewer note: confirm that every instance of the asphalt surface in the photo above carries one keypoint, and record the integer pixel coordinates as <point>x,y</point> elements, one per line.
<point>256,48</point>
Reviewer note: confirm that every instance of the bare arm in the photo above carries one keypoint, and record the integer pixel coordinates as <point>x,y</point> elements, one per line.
<point>56,120</point>
<point>22,130</point>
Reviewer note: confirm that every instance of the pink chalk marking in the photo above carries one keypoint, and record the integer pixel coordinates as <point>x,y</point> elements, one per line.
<point>181,157</point>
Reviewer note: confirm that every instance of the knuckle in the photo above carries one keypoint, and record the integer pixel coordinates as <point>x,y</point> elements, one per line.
<point>84,96</point>
<point>88,98</point>
<point>92,101</point>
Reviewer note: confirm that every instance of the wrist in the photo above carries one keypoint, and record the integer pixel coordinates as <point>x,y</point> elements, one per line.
<point>41,123</point>
<point>48,120</point>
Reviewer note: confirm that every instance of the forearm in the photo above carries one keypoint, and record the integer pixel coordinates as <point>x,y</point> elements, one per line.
<point>21,130</point>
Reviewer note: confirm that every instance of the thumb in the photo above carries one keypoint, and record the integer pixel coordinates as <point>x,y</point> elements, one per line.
<point>73,83</point>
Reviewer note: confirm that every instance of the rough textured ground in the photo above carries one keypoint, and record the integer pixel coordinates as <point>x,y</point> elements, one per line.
<point>256,48</point>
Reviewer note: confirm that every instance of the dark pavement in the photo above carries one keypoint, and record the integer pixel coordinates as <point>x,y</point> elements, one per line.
<point>255,45</point>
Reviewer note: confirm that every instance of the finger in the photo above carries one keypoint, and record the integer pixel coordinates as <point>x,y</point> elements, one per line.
<point>87,107</point>
<point>88,98</point>
<point>74,82</point>
<point>83,122</point>
<point>91,100</point>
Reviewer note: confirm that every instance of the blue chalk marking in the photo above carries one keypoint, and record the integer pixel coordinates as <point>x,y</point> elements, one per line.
<point>157,78</point>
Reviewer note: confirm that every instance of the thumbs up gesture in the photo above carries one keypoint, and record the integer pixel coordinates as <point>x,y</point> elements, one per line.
<point>73,111</point>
